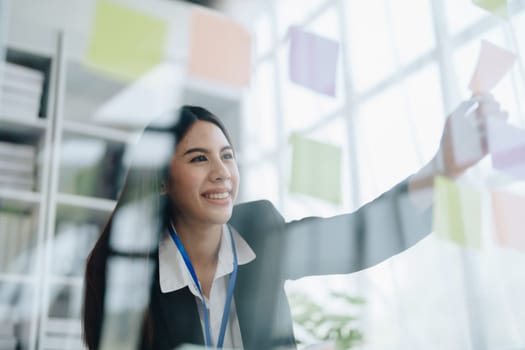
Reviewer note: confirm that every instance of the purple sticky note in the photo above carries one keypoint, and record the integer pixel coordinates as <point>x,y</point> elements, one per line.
<point>507,147</point>
<point>313,61</point>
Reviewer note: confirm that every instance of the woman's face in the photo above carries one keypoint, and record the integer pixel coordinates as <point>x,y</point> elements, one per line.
<point>203,176</point>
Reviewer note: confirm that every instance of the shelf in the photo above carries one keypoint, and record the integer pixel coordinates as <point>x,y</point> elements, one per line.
<point>102,132</point>
<point>16,278</point>
<point>73,281</point>
<point>33,127</point>
<point>24,121</point>
<point>65,323</point>
<point>100,204</point>
<point>20,196</point>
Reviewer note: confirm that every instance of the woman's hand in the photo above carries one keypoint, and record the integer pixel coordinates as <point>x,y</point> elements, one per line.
<point>464,138</point>
<point>463,144</point>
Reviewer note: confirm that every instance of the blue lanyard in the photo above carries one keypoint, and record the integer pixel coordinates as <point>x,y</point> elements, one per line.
<point>229,296</point>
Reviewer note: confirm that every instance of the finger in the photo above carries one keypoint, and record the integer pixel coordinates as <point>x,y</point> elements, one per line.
<point>488,105</point>
<point>490,110</point>
<point>466,107</point>
<point>480,129</point>
<point>485,103</point>
<point>485,96</point>
<point>497,114</point>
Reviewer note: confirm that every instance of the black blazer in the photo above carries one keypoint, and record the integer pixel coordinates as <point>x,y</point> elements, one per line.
<point>311,246</point>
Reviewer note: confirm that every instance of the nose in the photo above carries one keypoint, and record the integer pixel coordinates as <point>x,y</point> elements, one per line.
<point>219,171</point>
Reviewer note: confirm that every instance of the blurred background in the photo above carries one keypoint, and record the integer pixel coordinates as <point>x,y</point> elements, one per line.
<point>81,78</point>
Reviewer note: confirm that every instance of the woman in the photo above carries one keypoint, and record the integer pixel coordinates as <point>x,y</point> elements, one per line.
<point>221,267</point>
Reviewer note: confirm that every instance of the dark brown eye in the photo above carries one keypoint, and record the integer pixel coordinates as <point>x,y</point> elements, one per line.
<point>200,158</point>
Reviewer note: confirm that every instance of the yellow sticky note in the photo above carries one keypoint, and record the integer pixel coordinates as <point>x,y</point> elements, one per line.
<point>220,49</point>
<point>316,169</point>
<point>507,211</point>
<point>497,7</point>
<point>125,42</point>
<point>457,212</point>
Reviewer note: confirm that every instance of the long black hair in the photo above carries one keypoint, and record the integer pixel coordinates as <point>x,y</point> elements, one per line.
<point>138,184</point>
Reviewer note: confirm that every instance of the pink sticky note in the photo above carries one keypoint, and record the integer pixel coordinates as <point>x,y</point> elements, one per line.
<point>313,61</point>
<point>508,219</point>
<point>507,147</point>
<point>220,49</point>
<point>493,63</point>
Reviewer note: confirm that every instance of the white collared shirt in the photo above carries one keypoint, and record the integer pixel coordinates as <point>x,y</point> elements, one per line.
<point>174,275</point>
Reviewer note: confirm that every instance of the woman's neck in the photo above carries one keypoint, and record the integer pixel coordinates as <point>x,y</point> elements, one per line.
<point>201,242</point>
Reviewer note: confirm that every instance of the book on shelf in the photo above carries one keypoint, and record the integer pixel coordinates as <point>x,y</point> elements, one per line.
<point>16,235</point>
<point>17,150</point>
<point>16,106</point>
<point>17,166</point>
<point>16,177</point>
<point>24,87</point>
<point>20,90</point>
<point>22,73</point>
<point>16,183</point>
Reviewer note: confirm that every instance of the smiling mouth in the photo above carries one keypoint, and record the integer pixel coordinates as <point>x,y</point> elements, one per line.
<point>222,195</point>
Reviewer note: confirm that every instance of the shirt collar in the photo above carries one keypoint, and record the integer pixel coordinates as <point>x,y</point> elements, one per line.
<point>173,273</point>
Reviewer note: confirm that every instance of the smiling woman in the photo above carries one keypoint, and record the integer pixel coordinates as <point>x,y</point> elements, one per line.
<point>220,268</point>
<point>203,177</point>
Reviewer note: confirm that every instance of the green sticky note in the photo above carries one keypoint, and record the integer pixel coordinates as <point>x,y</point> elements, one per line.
<point>124,42</point>
<point>457,213</point>
<point>496,7</point>
<point>316,169</point>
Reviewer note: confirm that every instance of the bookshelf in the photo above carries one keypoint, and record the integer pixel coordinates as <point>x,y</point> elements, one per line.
<point>78,172</point>
<point>25,150</point>
<point>83,186</point>
<point>48,226</point>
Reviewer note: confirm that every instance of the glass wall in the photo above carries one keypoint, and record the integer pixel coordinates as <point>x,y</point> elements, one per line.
<point>91,143</point>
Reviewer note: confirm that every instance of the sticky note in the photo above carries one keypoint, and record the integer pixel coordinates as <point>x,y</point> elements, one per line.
<point>316,169</point>
<point>496,7</point>
<point>457,213</point>
<point>220,49</point>
<point>507,147</point>
<point>125,42</point>
<point>493,63</point>
<point>507,211</point>
<point>313,61</point>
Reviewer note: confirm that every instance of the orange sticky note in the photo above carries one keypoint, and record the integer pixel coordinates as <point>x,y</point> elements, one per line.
<point>508,212</point>
<point>220,49</point>
<point>493,63</point>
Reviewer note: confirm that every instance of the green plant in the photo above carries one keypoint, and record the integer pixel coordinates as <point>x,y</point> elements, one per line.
<point>325,325</point>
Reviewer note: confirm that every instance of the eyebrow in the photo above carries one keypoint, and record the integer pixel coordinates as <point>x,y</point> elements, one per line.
<point>204,150</point>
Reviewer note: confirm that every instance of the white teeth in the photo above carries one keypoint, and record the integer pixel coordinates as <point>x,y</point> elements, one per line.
<point>218,195</point>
